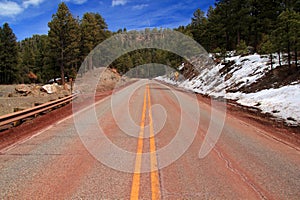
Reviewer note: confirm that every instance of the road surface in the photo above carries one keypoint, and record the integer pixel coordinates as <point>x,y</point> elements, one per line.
<point>75,159</point>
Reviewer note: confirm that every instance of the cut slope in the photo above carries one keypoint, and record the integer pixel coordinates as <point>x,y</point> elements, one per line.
<point>251,81</point>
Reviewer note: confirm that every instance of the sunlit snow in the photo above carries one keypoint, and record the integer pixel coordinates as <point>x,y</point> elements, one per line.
<point>283,102</point>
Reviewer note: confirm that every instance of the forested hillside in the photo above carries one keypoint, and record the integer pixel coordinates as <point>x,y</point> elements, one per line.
<point>43,57</point>
<point>265,26</point>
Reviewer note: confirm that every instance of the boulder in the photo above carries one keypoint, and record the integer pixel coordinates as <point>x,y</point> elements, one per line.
<point>49,88</point>
<point>23,89</point>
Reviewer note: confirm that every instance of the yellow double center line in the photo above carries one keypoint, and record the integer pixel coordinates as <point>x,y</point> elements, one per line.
<point>155,185</point>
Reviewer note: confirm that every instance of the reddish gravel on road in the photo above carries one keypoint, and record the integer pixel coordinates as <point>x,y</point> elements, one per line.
<point>143,142</point>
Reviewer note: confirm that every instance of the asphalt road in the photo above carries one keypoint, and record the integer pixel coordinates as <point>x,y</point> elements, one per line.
<point>149,141</point>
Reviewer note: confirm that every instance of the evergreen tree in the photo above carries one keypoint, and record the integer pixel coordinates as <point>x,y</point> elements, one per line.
<point>74,49</point>
<point>241,48</point>
<point>184,30</point>
<point>294,35</point>
<point>268,47</point>
<point>9,56</point>
<point>42,58</point>
<point>198,27</point>
<point>225,21</point>
<point>288,27</point>
<point>62,37</point>
<point>231,21</point>
<point>34,58</point>
<point>198,18</point>
<point>93,31</point>
<point>27,55</point>
<point>262,19</point>
<point>215,30</point>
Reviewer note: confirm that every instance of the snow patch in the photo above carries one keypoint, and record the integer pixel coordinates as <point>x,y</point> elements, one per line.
<point>282,102</point>
<point>225,81</point>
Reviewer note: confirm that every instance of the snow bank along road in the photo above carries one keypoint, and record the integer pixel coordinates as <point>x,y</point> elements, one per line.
<point>244,164</point>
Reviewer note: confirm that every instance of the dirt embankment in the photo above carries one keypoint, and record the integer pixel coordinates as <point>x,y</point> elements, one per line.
<point>275,78</point>
<point>19,97</point>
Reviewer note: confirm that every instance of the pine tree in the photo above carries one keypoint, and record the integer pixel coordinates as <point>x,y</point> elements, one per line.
<point>288,27</point>
<point>198,27</point>
<point>93,31</point>
<point>62,35</point>
<point>9,56</point>
<point>89,34</point>
<point>198,18</point>
<point>27,54</point>
<point>268,47</point>
<point>294,35</point>
<point>234,20</point>
<point>215,30</point>
<point>241,48</point>
<point>73,60</point>
<point>42,58</point>
<point>184,30</point>
<point>34,58</point>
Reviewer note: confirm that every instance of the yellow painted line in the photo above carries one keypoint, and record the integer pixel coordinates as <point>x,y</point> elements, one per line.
<point>155,185</point>
<point>138,161</point>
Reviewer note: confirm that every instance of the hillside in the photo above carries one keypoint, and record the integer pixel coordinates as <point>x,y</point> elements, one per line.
<point>250,81</point>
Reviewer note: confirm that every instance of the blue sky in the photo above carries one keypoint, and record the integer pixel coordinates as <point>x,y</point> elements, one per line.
<point>28,17</point>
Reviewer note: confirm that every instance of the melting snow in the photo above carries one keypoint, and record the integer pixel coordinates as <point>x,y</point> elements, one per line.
<point>283,102</point>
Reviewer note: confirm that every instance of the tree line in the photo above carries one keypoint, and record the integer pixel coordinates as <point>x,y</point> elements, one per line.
<point>60,53</point>
<point>264,26</point>
<point>267,26</point>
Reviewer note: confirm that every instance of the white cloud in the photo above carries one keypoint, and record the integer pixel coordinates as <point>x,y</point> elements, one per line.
<point>10,8</point>
<point>118,2</point>
<point>140,7</point>
<point>28,3</point>
<point>79,2</point>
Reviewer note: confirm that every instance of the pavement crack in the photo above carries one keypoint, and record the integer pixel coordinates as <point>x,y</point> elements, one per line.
<point>243,176</point>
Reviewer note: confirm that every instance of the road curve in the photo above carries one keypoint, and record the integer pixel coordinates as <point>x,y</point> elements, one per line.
<point>120,149</point>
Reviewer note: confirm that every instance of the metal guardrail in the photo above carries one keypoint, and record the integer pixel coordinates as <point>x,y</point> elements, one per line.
<point>21,115</point>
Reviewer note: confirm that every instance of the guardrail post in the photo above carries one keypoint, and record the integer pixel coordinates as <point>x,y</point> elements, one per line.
<point>16,123</point>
